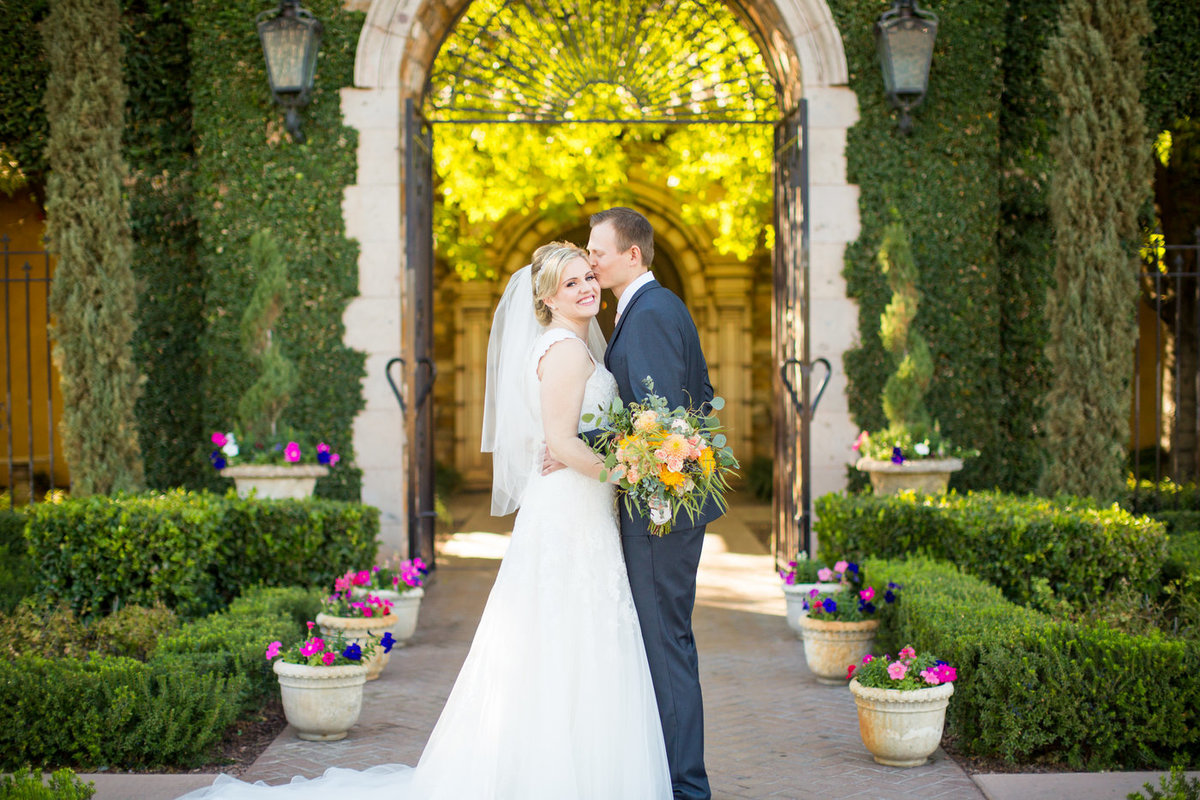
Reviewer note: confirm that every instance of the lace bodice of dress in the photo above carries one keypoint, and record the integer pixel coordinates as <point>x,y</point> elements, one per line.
<point>601,385</point>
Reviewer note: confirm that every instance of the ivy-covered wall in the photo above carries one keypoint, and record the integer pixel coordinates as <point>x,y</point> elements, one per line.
<point>944,180</point>
<point>250,176</point>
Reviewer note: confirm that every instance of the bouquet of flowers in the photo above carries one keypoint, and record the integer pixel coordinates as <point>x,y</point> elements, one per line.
<point>909,671</point>
<point>330,651</point>
<point>671,460</point>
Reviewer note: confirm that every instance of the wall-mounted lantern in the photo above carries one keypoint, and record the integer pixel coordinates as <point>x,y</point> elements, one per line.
<point>290,37</point>
<point>904,37</point>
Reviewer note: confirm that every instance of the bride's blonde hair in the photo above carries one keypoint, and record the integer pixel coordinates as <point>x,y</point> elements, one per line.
<point>545,271</point>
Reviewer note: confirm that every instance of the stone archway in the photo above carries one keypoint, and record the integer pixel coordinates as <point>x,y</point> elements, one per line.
<point>396,50</point>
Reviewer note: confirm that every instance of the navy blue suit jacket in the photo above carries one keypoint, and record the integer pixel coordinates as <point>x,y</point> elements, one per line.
<point>656,337</point>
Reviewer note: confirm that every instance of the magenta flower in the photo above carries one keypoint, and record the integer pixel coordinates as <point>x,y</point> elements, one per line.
<point>328,658</point>
<point>868,658</point>
<point>907,652</point>
<point>322,448</point>
<point>862,435</point>
<point>312,646</point>
<point>867,595</point>
<point>343,583</point>
<point>292,452</point>
<point>273,650</point>
<point>897,671</point>
<point>219,439</point>
<point>334,459</point>
<point>362,578</point>
<point>310,625</point>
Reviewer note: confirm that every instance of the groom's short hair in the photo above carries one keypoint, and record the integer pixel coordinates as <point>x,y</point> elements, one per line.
<point>631,228</point>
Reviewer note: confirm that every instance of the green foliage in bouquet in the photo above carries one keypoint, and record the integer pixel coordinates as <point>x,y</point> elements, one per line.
<point>670,460</point>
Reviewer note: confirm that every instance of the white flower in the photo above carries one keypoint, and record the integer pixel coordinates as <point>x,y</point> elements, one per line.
<point>921,448</point>
<point>231,447</point>
<point>681,426</point>
<point>660,512</point>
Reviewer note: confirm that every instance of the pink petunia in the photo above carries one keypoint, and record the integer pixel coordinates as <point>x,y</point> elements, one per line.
<point>931,676</point>
<point>312,646</point>
<point>824,574</point>
<point>841,566</point>
<point>322,448</point>
<point>897,671</point>
<point>858,442</point>
<point>328,658</point>
<point>219,439</point>
<point>333,459</point>
<point>343,583</point>
<point>292,452</point>
<point>867,594</point>
<point>310,625</point>
<point>907,652</point>
<point>273,650</point>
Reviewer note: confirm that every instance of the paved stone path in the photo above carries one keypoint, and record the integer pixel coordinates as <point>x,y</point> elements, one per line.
<point>772,731</point>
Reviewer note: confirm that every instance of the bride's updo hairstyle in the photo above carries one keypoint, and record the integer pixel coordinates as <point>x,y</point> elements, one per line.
<point>545,272</point>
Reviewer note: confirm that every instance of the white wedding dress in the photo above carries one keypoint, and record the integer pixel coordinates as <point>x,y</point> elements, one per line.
<point>554,701</point>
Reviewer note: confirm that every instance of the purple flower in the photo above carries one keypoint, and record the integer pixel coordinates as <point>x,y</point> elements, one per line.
<point>353,652</point>
<point>387,642</point>
<point>830,605</point>
<point>218,461</point>
<point>897,455</point>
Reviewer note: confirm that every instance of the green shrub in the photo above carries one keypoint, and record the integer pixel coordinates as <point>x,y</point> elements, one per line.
<point>1175,786</point>
<point>16,576</point>
<point>25,784</point>
<point>35,628</point>
<point>111,711</point>
<point>193,552</point>
<point>233,642</point>
<point>1031,689</point>
<point>1012,542</point>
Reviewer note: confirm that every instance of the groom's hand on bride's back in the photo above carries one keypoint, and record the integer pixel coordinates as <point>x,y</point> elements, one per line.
<point>549,463</point>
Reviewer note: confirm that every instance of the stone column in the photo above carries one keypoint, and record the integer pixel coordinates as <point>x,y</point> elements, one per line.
<point>472,326</point>
<point>730,347</point>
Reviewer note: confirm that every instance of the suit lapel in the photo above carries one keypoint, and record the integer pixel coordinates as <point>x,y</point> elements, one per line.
<point>625,315</point>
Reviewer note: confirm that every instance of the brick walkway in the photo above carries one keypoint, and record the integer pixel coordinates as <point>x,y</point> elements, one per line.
<point>772,731</point>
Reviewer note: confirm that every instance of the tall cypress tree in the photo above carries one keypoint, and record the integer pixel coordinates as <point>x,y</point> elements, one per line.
<point>1094,66</point>
<point>93,297</point>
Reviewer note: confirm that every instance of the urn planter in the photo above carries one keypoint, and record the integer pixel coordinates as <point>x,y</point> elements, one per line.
<point>929,475</point>
<point>901,728</point>
<point>830,647</point>
<point>406,606</point>
<point>275,481</point>
<point>321,703</point>
<point>362,631</point>
<point>795,594</point>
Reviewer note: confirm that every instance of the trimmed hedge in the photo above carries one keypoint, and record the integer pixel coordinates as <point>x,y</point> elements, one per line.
<point>16,578</point>
<point>232,642</point>
<point>1034,690</point>
<point>121,713</point>
<point>111,711</point>
<point>193,552</point>
<point>1007,540</point>
<point>25,784</point>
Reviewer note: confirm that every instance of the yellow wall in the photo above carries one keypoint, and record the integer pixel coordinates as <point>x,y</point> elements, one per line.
<point>25,370</point>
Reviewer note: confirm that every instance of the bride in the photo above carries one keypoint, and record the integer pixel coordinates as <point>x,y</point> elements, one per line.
<point>554,700</point>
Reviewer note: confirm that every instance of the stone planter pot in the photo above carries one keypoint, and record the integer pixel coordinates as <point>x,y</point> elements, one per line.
<point>405,607</point>
<point>929,475</point>
<point>831,647</point>
<point>321,703</point>
<point>275,481</point>
<point>901,728</point>
<point>363,631</point>
<point>796,594</point>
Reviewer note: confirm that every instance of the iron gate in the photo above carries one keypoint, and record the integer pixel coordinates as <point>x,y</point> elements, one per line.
<point>418,334</point>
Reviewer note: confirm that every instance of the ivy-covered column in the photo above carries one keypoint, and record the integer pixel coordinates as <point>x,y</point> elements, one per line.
<point>93,298</point>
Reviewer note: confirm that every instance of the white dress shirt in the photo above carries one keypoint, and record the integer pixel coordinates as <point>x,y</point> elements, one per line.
<point>631,290</point>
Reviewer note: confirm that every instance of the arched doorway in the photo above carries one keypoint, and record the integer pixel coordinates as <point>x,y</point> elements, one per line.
<point>803,49</point>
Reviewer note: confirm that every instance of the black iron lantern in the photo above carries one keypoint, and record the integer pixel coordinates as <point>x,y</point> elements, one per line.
<point>904,37</point>
<point>290,37</point>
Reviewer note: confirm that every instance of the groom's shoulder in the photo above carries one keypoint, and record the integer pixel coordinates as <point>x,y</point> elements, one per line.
<point>660,297</point>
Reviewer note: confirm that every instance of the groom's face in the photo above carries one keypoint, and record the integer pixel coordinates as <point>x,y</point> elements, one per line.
<point>614,268</point>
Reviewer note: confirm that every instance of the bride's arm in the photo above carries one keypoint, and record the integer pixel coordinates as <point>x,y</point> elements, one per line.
<point>564,371</point>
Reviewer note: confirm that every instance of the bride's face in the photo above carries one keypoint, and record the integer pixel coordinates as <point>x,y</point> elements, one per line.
<point>578,295</point>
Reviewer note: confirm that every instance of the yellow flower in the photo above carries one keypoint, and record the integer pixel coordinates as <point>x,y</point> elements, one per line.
<point>674,446</point>
<point>645,421</point>
<point>672,480</point>
<point>708,462</point>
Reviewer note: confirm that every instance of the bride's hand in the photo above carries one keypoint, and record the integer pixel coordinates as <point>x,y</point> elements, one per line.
<point>550,463</point>
<point>616,474</point>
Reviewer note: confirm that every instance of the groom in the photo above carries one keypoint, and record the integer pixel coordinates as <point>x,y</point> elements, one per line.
<point>655,336</point>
